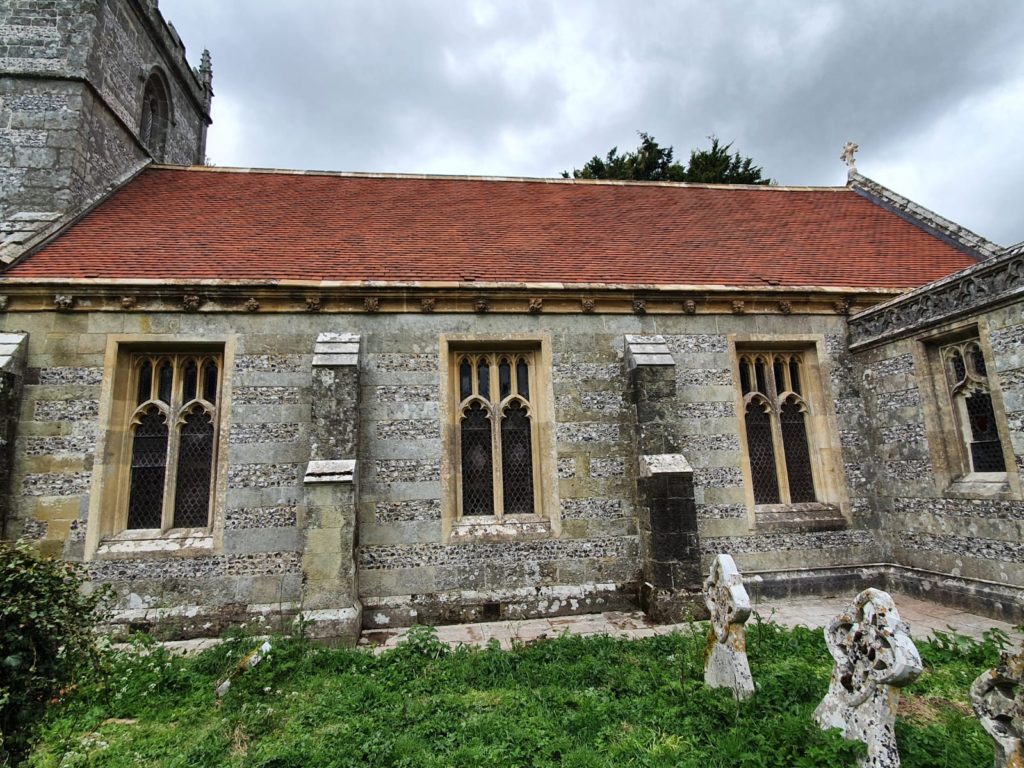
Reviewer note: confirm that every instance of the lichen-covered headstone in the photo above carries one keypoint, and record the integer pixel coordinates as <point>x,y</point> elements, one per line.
<point>874,658</point>
<point>998,700</point>
<point>725,658</point>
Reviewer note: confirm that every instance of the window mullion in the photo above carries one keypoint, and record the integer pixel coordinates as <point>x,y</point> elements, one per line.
<point>496,464</point>
<point>779,451</point>
<point>173,439</point>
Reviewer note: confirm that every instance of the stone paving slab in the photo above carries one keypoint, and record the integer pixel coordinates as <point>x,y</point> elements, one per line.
<point>924,619</point>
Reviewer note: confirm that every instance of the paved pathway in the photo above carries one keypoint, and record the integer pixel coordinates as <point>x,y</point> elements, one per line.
<point>923,617</point>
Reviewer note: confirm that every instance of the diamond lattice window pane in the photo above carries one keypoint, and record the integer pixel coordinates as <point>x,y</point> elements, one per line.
<point>195,469</point>
<point>762,455</point>
<point>477,462</point>
<point>517,461</point>
<point>149,468</point>
<point>986,449</point>
<point>798,457</point>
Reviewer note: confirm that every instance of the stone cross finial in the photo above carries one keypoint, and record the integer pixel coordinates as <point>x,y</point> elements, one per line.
<point>849,150</point>
<point>998,700</point>
<point>874,657</point>
<point>725,660</point>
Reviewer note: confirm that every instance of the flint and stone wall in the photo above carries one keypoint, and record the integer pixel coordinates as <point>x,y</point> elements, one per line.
<point>403,569</point>
<point>72,74</point>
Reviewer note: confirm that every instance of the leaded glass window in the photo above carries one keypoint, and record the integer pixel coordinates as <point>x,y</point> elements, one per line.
<point>968,385</point>
<point>172,435</point>
<point>776,421</point>
<point>497,436</point>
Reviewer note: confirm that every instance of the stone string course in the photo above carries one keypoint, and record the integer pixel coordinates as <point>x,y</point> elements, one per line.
<point>395,393</point>
<point>57,484</point>
<point>71,375</point>
<point>784,542</point>
<point>407,511</point>
<point>272,363</point>
<point>986,549</point>
<point>242,518</point>
<point>422,555</point>
<point>980,508</point>
<point>591,509</point>
<point>260,564</point>
<point>243,434</point>
<point>265,396</point>
<point>408,429</point>
<point>263,475</point>
<point>65,410</point>
<point>407,470</point>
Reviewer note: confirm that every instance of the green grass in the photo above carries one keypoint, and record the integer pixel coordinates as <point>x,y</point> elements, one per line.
<point>571,701</point>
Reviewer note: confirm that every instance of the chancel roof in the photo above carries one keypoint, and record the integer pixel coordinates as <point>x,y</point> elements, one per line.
<point>266,226</point>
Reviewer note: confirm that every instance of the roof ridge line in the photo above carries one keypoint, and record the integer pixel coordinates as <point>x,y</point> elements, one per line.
<point>925,218</point>
<point>469,177</point>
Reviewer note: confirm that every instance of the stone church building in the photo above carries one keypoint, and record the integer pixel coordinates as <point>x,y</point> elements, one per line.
<point>372,400</point>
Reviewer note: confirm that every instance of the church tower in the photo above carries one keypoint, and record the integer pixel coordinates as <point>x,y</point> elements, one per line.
<point>90,91</point>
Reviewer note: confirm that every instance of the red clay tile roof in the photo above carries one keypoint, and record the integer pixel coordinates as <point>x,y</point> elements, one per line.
<point>265,226</point>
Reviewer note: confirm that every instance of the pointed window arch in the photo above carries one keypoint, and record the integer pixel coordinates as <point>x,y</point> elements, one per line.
<point>497,435</point>
<point>775,419</point>
<point>155,120</point>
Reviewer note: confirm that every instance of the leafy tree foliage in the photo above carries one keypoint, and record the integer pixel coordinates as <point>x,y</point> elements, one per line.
<point>47,638</point>
<point>652,162</point>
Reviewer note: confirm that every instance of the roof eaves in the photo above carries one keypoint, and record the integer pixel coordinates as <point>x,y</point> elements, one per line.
<point>956,235</point>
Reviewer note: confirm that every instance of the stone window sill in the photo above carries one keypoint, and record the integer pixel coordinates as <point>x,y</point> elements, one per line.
<point>981,485</point>
<point>481,529</point>
<point>191,541</point>
<point>770,518</point>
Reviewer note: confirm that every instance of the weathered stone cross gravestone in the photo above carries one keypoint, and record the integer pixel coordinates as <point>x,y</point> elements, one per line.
<point>998,700</point>
<point>875,657</point>
<point>725,659</point>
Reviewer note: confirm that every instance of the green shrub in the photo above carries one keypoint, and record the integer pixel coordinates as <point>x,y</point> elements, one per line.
<point>47,638</point>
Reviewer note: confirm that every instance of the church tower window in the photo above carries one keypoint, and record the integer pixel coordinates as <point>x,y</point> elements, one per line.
<point>156,116</point>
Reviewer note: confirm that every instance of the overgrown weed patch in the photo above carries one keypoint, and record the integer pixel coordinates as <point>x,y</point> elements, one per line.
<point>568,701</point>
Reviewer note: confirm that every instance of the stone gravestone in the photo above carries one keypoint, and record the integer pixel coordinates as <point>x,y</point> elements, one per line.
<point>998,700</point>
<point>725,660</point>
<point>874,658</point>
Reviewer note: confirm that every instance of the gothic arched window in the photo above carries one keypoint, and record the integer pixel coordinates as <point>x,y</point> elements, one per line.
<point>968,386</point>
<point>156,116</point>
<point>775,417</point>
<point>497,440</point>
<point>172,433</point>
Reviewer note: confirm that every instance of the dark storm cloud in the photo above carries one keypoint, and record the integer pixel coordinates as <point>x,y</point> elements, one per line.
<point>531,88</point>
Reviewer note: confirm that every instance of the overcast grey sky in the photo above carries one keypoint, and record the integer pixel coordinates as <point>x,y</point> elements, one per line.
<point>932,91</point>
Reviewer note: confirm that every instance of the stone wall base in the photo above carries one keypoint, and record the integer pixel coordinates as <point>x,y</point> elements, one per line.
<point>468,606</point>
<point>1004,602</point>
<point>672,606</point>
